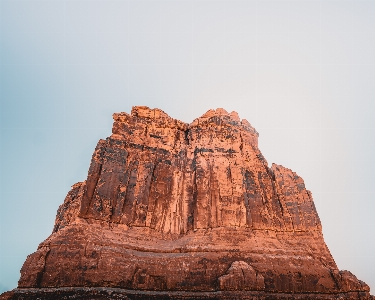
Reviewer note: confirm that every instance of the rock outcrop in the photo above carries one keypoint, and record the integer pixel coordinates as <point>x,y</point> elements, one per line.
<point>177,211</point>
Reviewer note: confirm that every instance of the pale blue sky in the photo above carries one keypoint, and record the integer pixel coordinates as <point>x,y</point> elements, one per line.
<point>302,73</point>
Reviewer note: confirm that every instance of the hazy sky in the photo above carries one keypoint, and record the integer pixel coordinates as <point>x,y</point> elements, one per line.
<point>302,73</point>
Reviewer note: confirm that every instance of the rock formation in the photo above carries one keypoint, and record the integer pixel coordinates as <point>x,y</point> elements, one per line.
<point>177,211</point>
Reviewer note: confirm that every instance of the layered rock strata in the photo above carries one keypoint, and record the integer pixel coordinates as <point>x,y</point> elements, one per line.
<point>186,211</point>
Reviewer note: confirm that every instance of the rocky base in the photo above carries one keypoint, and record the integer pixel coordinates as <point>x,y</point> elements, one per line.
<point>113,293</point>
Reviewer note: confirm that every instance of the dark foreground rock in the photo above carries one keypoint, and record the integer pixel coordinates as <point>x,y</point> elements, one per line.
<point>115,293</point>
<point>185,211</point>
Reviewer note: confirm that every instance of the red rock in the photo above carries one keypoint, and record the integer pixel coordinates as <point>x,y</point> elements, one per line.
<point>241,276</point>
<point>171,210</point>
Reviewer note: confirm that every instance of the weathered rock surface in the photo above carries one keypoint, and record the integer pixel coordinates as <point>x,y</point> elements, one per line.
<point>177,211</point>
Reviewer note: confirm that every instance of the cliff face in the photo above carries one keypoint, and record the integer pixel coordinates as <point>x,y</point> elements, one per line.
<point>169,206</point>
<point>160,173</point>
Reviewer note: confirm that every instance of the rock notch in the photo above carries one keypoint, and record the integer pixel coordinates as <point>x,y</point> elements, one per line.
<point>177,211</point>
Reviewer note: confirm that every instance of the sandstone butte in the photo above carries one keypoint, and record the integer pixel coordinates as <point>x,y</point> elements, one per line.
<point>177,211</point>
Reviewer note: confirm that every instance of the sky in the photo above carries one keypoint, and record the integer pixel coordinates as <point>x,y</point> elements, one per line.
<point>301,72</point>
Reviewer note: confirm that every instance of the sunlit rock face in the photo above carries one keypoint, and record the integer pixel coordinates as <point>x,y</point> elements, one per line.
<point>178,210</point>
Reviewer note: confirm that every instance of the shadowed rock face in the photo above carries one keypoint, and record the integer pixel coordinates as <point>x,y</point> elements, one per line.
<point>192,210</point>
